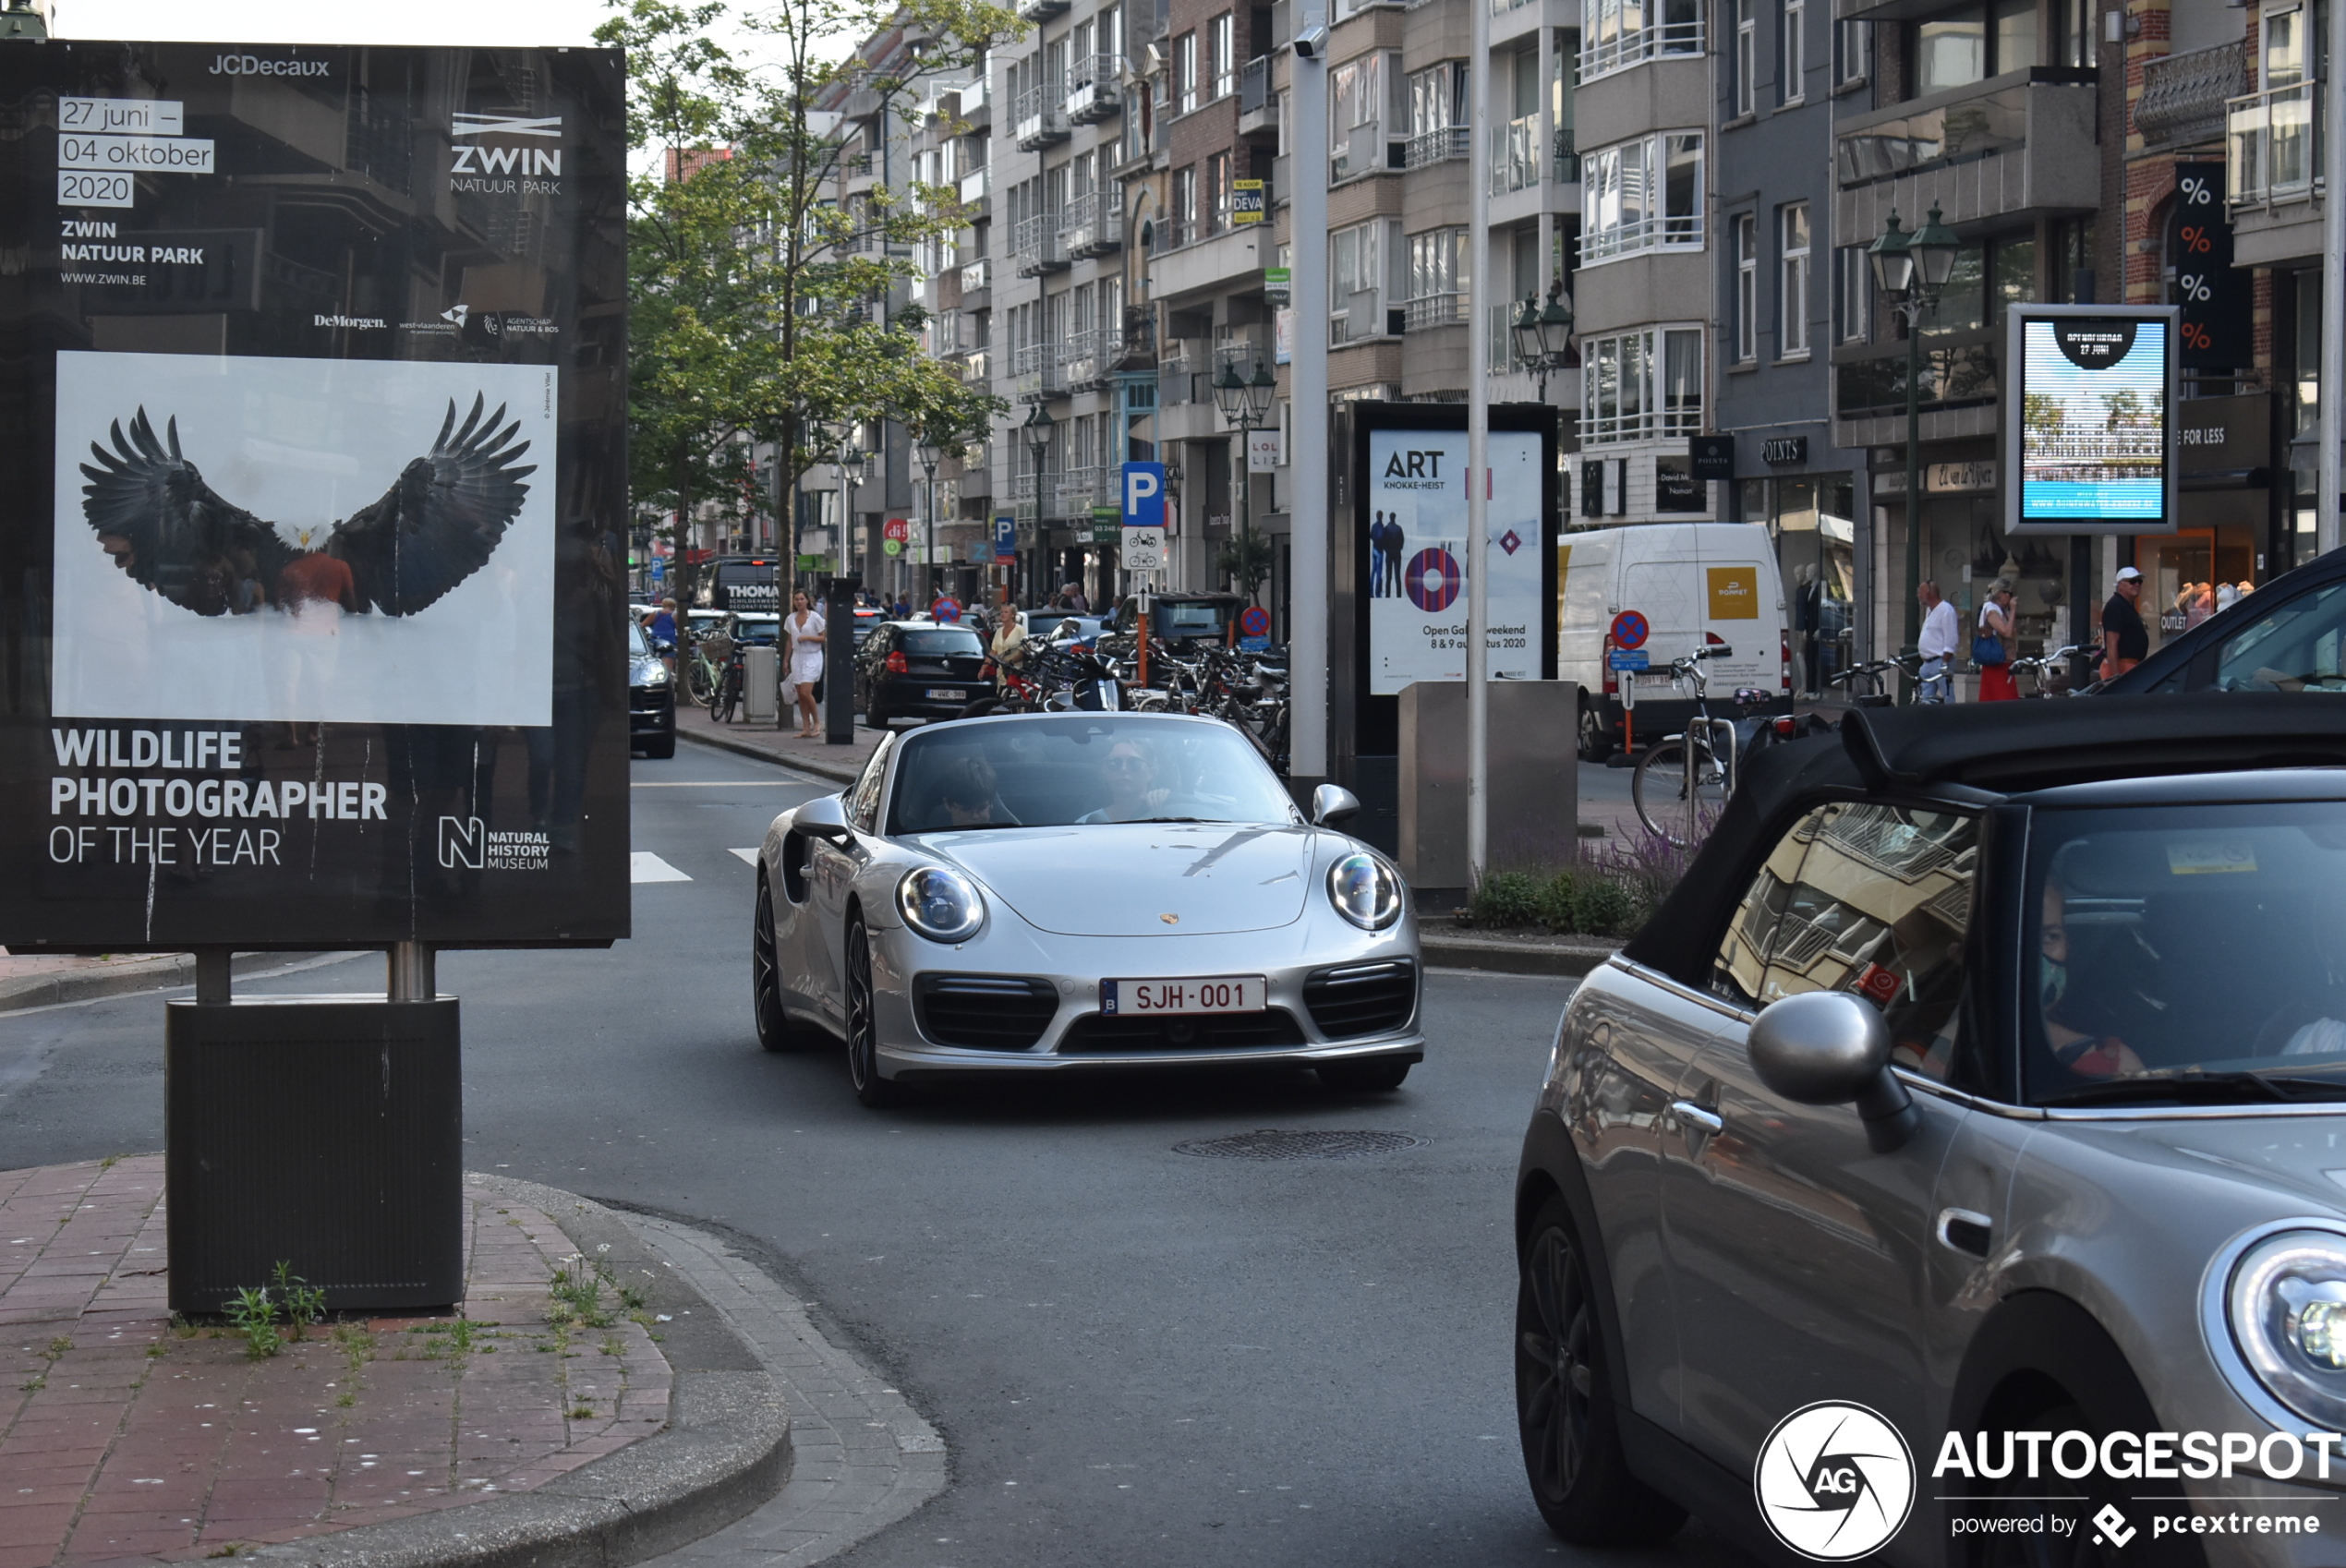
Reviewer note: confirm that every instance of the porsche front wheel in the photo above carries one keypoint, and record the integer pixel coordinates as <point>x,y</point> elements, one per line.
<point>863,1027</point>
<point>774,1031</point>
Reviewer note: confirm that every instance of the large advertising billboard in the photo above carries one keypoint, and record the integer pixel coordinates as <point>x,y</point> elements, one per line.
<point>1417,539</point>
<point>2089,432</point>
<point>314,521</point>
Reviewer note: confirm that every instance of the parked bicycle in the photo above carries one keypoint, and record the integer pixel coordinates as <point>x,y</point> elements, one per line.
<point>1868,685</point>
<point>1681,776</point>
<point>2040,671</point>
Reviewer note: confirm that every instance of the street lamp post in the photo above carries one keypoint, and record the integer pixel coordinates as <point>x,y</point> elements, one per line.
<point>1038,429</point>
<point>1543,335</point>
<point>1911,270</point>
<point>1246,403</point>
<point>928,454</point>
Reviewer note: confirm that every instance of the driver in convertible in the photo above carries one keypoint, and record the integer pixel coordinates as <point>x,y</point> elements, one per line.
<point>1133,794</point>
<point>2086,1051</point>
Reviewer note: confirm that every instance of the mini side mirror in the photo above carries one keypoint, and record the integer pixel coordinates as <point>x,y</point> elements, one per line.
<point>1333,804</point>
<point>822,818</point>
<point>1830,1048</point>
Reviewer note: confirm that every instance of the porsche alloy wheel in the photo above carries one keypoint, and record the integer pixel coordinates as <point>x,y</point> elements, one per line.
<point>1564,1406</point>
<point>774,1031</point>
<point>863,1027</point>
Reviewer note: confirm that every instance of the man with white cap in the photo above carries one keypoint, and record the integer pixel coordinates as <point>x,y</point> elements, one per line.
<point>2125,641</point>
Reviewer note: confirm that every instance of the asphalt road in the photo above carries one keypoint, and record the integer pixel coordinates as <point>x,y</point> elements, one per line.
<point>1137,1356</point>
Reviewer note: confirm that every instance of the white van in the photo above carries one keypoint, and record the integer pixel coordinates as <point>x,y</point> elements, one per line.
<point>1693,582</point>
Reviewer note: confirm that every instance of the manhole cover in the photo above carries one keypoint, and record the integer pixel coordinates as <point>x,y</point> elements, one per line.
<point>1269,1143</point>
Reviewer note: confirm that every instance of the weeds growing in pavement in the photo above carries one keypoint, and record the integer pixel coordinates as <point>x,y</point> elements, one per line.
<point>303,1303</point>
<point>49,1354</point>
<point>577,1289</point>
<point>254,1315</point>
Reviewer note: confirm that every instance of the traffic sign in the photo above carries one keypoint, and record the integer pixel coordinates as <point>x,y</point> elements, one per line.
<point>1629,630</point>
<point>896,529</point>
<point>893,547</point>
<point>1255,622</point>
<point>1626,659</point>
<point>1143,549</point>
<point>1144,495</point>
<point>1005,539</point>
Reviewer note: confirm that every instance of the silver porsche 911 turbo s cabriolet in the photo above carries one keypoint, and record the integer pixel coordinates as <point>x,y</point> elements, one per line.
<point>1057,892</point>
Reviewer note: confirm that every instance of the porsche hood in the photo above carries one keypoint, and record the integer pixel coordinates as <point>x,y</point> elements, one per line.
<point>1172,879</point>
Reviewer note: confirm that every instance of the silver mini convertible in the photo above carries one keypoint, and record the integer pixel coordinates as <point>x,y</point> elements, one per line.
<point>1086,891</point>
<point>1954,1170</point>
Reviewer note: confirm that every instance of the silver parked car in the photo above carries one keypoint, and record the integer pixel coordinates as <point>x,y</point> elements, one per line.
<point>924,914</point>
<point>1954,1170</point>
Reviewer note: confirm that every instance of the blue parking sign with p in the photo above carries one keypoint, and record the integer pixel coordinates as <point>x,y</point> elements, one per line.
<point>1144,495</point>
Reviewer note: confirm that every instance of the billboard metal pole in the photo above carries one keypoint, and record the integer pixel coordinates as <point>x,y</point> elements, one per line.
<point>1478,670</point>
<point>1308,654</point>
<point>2333,369</point>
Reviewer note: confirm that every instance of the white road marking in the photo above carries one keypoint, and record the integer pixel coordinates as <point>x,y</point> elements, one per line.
<point>748,857</point>
<point>715,784</point>
<point>645,866</point>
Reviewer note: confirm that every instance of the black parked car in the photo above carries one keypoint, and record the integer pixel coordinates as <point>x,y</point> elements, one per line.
<point>2289,635</point>
<point>651,699</point>
<point>918,670</point>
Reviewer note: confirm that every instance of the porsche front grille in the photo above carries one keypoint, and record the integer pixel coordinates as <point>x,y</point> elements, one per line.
<point>1357,999</point>
<point>985,1012</point>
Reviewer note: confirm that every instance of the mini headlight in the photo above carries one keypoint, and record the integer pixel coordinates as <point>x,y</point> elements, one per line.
<point>1365,892</point>
<point>942,905</point>
<point>2287,1308</point>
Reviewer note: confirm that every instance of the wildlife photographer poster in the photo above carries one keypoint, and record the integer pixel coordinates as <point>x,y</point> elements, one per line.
<point>304,540</point>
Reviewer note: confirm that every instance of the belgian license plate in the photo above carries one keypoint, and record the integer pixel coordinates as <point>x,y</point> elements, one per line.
<point>1215,993</point>
<point>944,693</point>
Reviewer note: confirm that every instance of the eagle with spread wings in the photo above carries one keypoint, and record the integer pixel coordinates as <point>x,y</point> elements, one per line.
<point>439,524</point>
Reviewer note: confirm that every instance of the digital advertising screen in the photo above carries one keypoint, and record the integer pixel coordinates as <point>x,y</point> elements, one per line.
<point>2089,420</point>
<point>313,513</point>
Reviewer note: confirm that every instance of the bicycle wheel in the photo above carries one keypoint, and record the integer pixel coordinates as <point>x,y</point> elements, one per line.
<point>697,686</point>
<point>1659,789</point>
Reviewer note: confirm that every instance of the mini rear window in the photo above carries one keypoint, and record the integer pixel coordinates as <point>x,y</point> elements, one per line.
<point>941,642</point>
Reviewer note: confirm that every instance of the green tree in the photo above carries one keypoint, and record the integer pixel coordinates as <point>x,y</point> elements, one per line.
<point>757,303</point>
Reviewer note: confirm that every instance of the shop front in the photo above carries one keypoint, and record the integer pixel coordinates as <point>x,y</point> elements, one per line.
<point>1965,549</point>
<point>2222,549</point>
<point>1811,517</point>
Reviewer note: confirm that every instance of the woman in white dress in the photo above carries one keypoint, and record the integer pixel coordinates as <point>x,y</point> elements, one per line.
<point>804,629</point>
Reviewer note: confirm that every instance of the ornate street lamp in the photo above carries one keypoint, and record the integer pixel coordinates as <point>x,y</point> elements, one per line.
<point>1911,269</point>
<point>1246,403</point>
<point>1038,431</point>
<point>1543,335</point>
<point>928,454</point>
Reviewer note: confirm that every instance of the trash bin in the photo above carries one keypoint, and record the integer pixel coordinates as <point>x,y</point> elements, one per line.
<point>761,670</point>
<point>322,1132</point>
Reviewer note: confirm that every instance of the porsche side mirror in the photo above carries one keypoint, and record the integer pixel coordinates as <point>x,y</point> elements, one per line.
<point>1332,804</point>
<point>823,817</point>
<point>1830,1048</point>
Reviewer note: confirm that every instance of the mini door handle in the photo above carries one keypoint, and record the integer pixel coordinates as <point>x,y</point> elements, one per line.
<point>1961,1230</point>
<point>1702,1116</point>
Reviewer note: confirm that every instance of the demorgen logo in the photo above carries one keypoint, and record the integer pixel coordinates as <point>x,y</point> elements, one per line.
<point>462,842</point>
<point>468,155</point>
<point>1834,1481</point>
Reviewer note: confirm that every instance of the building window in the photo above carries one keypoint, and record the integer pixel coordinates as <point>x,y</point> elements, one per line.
<point>1746,288</point>
<point>1641,385</point>
<point>1792,328</point>
<point>1856,293</point>
<point>1746,59</point>
<point>1185,73</point>
<point>1185,204</point>
<point>1218,192</point>
<point>1853,52</point>
<point>1222,35</point>
<point>1794,80</point>
<point>1353,270</point>
<point>1617,34</point>
<point>1642,195</point>
<point>1356,115</point>
<point>1437,278</point>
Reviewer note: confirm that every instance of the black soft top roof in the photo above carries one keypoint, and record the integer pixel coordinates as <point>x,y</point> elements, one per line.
<point>1999,747</point>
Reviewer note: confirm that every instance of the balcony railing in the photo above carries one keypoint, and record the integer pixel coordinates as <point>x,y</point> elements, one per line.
<point>1255,85</point>
<point>1079,490</point>
<point>1957,370</point>
<point>1678,32</point>
<point>1443,144</point>
<point>1094,90</point>
<point>1682,417</point>
<point>2272,151</point>
<point>1168,234</point>
<point>1092,224</point>
<point>977,185</point>
<point>1040,119</point>
<point>2185,96</point>
<point>1516,163</point>
<point>1035,244</point>
<point>1962,129</point>
<point>977,366</point>
<point>1042,10</point>
<point>1038,371</point>
<point>1091,356</point>
<point>1428,311</point>
<point>977,274</point>
<point>1654,231</point>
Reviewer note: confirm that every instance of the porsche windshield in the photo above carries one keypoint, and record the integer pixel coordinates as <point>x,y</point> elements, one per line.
<point>1080,770</point>
<point>2191,954</point>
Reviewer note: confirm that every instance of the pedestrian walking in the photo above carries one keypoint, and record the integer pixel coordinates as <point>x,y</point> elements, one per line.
<point>806,629</point>
<point>662,628</point>
<point>1937,644</point>
<point>1991,648</point>
<point>2125,641</point>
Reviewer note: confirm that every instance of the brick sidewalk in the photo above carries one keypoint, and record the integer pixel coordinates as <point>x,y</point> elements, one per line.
<point>125,1435</point>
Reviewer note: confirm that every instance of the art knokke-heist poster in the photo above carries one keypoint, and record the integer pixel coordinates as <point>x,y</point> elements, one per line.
<point>1417,585</point>
<point>313,530</point>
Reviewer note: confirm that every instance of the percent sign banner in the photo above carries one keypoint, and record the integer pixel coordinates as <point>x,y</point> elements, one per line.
<point>2215,332</point>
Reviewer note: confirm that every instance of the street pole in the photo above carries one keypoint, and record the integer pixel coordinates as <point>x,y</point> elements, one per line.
<point>1308,381</point>
<point>1914,481</point>
<point>2332,422</point>
<point>1478,474</point>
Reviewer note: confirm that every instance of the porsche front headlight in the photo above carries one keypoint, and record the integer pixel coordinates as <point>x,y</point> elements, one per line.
<point>2287,1308</point>
<point>1365,892</point>
<point>940,903</point>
